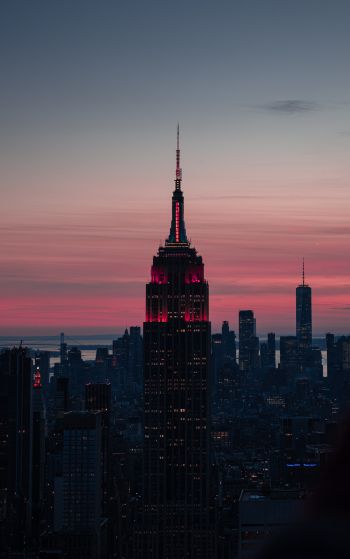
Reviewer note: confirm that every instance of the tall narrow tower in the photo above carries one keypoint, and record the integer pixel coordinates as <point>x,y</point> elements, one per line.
<point>176,399</point>
<point>303,317</point>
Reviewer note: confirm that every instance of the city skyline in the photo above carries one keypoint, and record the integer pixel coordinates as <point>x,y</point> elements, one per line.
<point>87,159</point>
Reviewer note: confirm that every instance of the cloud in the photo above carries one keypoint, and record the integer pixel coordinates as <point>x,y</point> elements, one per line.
<point>291,106</point>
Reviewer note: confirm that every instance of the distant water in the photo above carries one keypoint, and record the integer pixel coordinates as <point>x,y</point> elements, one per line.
<point>87,343</point>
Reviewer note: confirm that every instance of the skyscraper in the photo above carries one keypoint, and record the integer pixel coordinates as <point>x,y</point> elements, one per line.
<point>176,399</point>
<point>248,342</point>
<point>15,447</point>
<point>228,341</point>
<point>98,398</point>
<point>289,354</point>
<point>42,361</point>
<point>303,317</point>
<point>78,499</point>
<point>38,453</point>
<point>135,355</point>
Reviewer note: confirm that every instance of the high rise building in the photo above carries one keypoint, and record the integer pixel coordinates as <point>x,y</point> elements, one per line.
<point>61,396</point>
<point>303,317</point>
<point>289,356</point>
<point>78,498</point>
<point>271,350</point>
<point>338,359</point>
<point>176,502</point>
<point>248,341</point>
<point>120,350</point>
<point>38,454</point>
<point>135,355</point>
<point>42,362</point>
<point>98,398</point>
<point>228,341</point>
<point>63,351</point>
<point>15,447</point>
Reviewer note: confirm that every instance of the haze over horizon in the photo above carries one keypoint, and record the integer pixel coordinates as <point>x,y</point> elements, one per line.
<point>90,98</point>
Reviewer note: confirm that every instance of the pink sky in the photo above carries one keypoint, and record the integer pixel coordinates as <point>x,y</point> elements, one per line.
<point>84,269</point>
<point>89,103</point>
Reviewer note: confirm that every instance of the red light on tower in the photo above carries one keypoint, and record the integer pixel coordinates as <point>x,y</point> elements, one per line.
<point>37,379</point>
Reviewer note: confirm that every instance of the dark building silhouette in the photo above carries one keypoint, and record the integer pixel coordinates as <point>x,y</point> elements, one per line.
<point>15,447</point>
<point>271,350</point>
<point>268,352</point>
<point>135,355</point>
<point>248,342</point>
<point>228,341</point>
<point>331,355</point>
<point>98,398</point>
<point>121,360</point>
<point>74,356</point>
<point>102,355</point>
<point>303,319</point>
<point>176,400</point>
<point>62,400</point>
<point>42,361</point>
<point>63,351</point>
<point>338,360</point>
<point>79,526</point>
<point>216,362</point>
<point>223,349</point>
<point>264,360</point>
<point>289,355</point>
<point>38,455</point>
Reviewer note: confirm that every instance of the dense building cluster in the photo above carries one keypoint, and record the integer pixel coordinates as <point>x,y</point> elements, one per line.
<point>173,443</point>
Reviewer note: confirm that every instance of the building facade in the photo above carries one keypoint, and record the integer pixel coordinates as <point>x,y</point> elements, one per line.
<point>248,342</point>
<point>176,501</point>
<point>15,447</point>
<point>303,317</point>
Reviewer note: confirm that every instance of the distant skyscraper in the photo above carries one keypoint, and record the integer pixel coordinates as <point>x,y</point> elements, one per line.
<point>303,316</point>
<point>121,348</point>
<point>228,341</point>
<point>331,357</point>
<point>264,359</point>
<point>248,342</point>
<point>15,447</point>
<point>338,359</point>
<point>176,383</point>
<point>271,349</point>
<point>289,360</point>
<point>63,351</point>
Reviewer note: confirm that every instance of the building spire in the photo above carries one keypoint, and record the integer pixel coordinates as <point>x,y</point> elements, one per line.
<point>178,172</point>
<point>177,229</point>
<point>303,272</point>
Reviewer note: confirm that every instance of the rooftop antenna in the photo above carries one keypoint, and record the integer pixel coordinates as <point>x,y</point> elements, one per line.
<point>178,173</point>
<point>303,272</point>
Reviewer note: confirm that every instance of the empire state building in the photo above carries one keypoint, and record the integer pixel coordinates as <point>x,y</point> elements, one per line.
<point>176,398</point>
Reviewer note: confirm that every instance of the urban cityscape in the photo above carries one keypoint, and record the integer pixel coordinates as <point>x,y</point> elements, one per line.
<point>173,441</point>
<point>174,279</point>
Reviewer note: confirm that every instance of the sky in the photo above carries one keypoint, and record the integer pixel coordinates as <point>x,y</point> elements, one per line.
<point>90,96</point>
